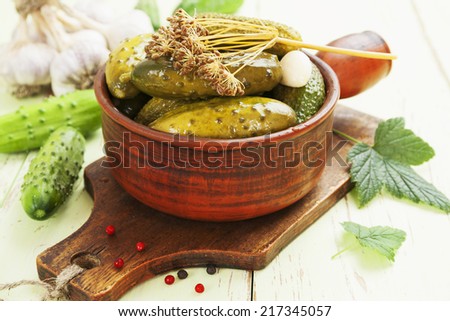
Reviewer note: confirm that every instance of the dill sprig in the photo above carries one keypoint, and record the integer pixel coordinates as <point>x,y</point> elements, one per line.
<point>182,42</point>
<point>205,46</point>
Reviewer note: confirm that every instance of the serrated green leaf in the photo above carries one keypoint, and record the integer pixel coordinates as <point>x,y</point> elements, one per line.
<point>402,181</point>
<point>395,142</point>
<point>386,164</point>
<point>383,239</point>
<point>367,172</point>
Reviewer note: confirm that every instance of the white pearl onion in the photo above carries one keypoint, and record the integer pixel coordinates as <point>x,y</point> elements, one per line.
<point>296,69</point>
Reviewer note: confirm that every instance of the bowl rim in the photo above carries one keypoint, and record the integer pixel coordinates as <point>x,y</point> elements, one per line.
<point>332,95</point>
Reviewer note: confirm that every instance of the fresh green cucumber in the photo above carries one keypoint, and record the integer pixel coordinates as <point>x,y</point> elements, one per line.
<point>52,173</point>
<point>306,100</point>
<point>30,126</point>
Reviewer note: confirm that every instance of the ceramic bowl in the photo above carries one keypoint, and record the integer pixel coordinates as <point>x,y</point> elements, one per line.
<point>217,179</point>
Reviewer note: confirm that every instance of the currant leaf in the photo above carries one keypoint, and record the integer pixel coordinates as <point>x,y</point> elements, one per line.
<point>367,172</point>
<point>403,182</point>
<point>387,164</point>
<point>395,142</point>
<point>383,239</point>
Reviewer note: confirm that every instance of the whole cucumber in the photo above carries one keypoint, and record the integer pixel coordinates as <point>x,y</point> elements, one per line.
<point>30,126</point>
<point>306,100</point>
<point>156,108</point>
<point>158,78</point>
<point>52,173</point>
<point>227,117</point>
<point>284,31</point>
<point>121,63</point>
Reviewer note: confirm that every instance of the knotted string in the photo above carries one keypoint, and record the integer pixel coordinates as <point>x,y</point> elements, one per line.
<point>55,291</point>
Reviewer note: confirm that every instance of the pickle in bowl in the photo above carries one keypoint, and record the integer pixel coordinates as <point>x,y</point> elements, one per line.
<point>213,76</point>
<point>159,78</point>
<point>228,118</point>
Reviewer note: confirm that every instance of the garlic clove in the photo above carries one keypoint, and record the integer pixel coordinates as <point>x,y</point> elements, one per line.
<point>25,67</point>
<point>76,67</point>
<point>88,36</point>
<point>296,69</point>
<point>33,33</point>
<point>134,23</point>
<point>30,64</point>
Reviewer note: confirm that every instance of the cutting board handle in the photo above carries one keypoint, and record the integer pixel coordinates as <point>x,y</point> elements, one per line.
<point>357,74</point>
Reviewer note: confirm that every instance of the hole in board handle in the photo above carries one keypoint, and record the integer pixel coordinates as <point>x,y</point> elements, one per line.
<point>85,260</point>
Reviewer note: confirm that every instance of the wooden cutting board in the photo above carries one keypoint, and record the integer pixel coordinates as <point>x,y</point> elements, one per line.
<point>178,243</point>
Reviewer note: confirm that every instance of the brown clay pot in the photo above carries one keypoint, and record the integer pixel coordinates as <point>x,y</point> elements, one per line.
<point>214,179</point>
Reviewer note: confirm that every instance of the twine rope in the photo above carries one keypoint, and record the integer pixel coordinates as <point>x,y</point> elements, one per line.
<point>55,291</point>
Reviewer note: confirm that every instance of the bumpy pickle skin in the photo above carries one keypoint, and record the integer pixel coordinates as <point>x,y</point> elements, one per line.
<point>121,63</point>
<point>306,100</point>
<point>157,107</point>
<point>158,78</point>
<point>52,173</point>
<point>284,31</point>
<point>227,118</point>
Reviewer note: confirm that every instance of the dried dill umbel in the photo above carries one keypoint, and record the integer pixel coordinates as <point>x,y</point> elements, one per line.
<point>181,42</point>
<point>203,46</point>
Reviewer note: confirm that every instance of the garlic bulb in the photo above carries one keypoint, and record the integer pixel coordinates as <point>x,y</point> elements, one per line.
<point>76,67</point>
<point>26,67</point>
<point>31,63</point>
<point>133,23</point>
<point>130,25</point>
<point>87,35</point>
<point>98,10</point>
<point>62,44</point>
<point>33,33</point>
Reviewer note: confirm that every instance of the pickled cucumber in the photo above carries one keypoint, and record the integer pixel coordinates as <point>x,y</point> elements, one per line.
<point>228,117</point>
<point>131,107</point>
<point>157,78</point>
<point>157,107</point>
<point>284,31</point>
<point>121,63</point>
<point>306,100</point>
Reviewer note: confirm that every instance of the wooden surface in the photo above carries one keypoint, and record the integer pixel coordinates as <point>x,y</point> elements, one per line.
<point>417,89</point>
<point>180,243</point>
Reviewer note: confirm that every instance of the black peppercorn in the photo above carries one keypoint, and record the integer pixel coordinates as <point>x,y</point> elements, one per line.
<point>211,269</point>
<point>182,274</point>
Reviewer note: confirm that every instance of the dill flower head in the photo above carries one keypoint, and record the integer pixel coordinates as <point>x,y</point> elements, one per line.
<point>201,45</point>
<point>182,42</point>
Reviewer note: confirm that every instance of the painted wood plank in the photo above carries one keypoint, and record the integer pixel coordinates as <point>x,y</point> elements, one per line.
<point>416,90</point>
<point>23,239</point>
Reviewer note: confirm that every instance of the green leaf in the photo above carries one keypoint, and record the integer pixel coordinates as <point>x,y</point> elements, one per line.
<point>402,181</point>
<point>219,6</point>
<point>393,141</point>
<point>367,172</point>
<point>386,164</point>
<point>383,239</point>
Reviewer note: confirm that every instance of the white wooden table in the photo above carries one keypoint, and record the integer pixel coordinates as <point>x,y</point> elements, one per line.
<point>417,89</point>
